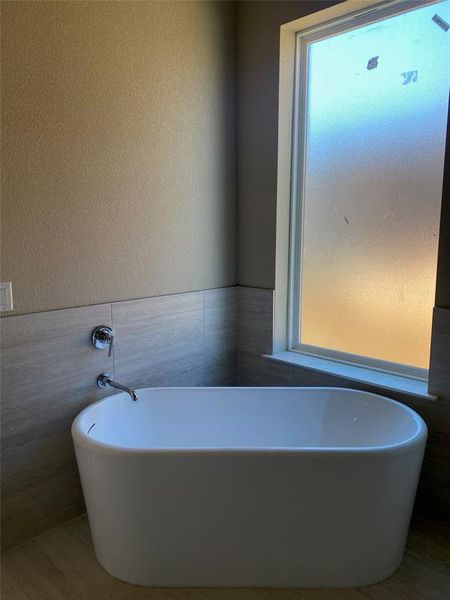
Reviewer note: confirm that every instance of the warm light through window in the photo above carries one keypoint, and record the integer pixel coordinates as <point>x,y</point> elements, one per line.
<point>376,115</point>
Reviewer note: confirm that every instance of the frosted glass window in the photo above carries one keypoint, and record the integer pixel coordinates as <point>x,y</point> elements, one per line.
<point>376,113</point>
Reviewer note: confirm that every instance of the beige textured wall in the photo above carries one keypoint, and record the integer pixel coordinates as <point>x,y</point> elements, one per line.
<point>117,150</point>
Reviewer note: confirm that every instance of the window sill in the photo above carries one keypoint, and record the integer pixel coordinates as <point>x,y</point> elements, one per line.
<point>380,379</point>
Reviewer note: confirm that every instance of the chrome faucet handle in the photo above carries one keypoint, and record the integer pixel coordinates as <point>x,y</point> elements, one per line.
<point>111,345</point>
<point>102,337</point>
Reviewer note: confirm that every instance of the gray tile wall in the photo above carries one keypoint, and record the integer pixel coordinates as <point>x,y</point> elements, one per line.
<point>440,354</point>
<point>255,339</point>
<point>49,368</point>
<point>160,341</point>
<point>220,338</point>
<point>48,374</point>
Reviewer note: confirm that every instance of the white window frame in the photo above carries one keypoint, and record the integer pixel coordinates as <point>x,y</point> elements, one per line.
<point>294,38</point>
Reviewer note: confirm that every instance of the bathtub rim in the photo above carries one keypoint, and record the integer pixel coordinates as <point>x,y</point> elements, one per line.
<point>83,439</point>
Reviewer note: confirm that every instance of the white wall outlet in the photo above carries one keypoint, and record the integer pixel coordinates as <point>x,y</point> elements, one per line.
<point>6,299</point>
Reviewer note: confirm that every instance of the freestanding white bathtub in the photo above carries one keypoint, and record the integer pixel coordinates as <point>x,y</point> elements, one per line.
<point>249,486</point>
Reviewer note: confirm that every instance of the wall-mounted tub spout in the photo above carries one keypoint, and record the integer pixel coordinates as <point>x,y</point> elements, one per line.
<point>105,381</point>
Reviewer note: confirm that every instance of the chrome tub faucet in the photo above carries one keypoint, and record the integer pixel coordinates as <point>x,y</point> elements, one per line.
<point>105,381</point>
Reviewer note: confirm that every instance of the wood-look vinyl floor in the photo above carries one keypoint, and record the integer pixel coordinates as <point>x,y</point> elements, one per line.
<point>59,564</point>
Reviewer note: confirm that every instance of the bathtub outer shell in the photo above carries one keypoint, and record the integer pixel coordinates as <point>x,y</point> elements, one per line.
<point>253,517</point>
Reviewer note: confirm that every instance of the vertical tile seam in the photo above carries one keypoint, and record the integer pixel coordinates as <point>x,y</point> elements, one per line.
<point>113,353</point>
<point>204,341</point>
<point>236,332</point>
